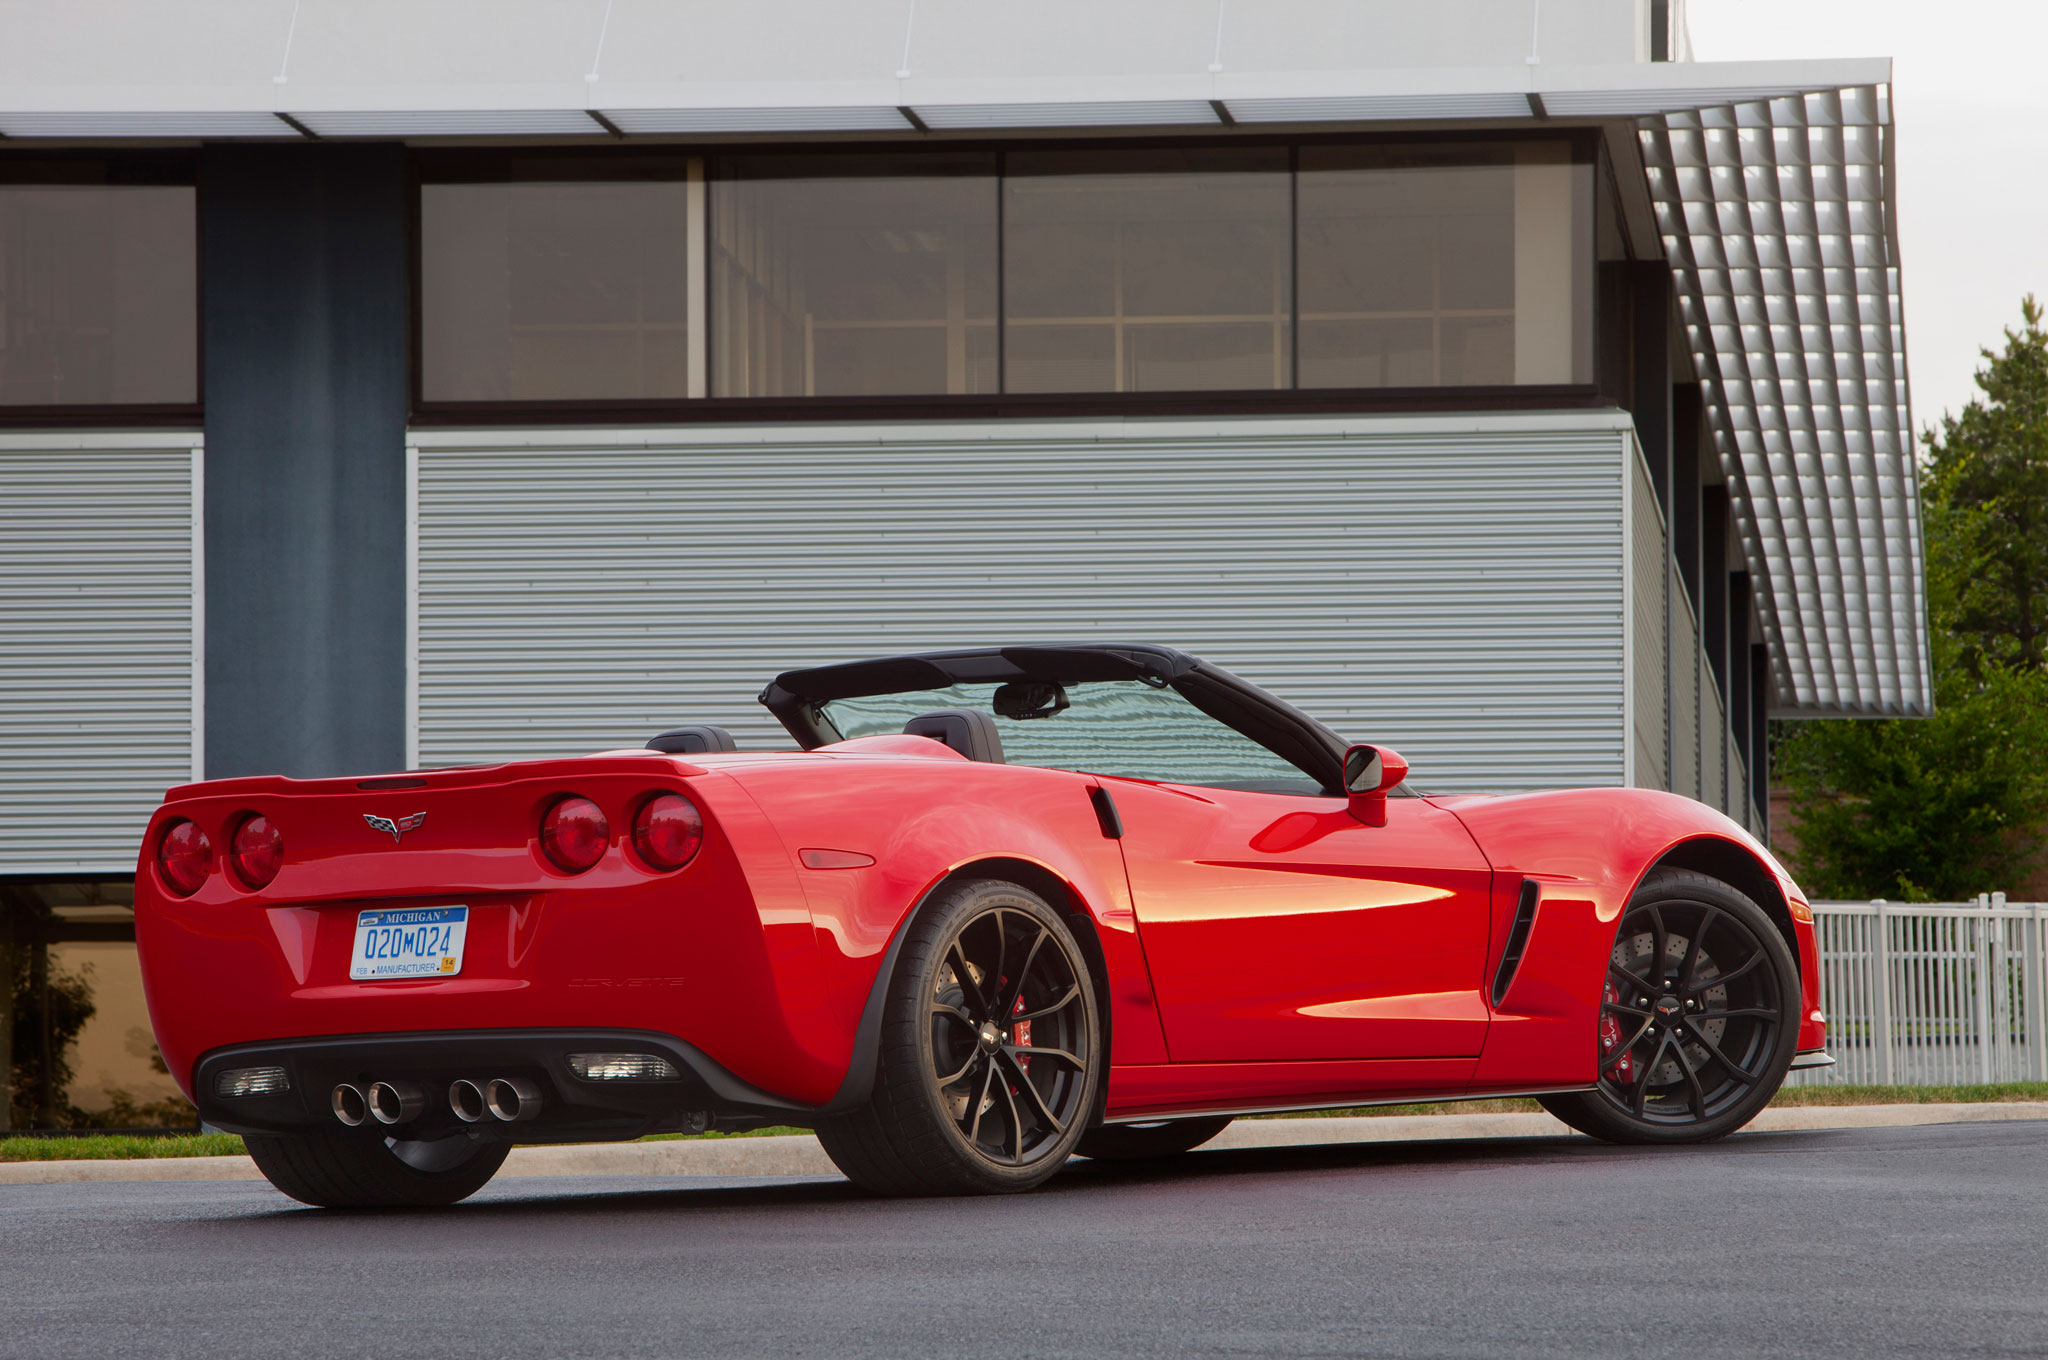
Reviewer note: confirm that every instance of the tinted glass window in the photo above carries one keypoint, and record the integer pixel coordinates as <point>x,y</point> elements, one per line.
<point>1155,271</point>
<point>99,295</point>
<point>1124,728</point>
<point>854,276</point>
<point>565,292</point>
<point>1450,266</point>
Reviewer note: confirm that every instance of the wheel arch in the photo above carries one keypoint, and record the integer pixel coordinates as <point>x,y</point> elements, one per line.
<point>1059,893</point>
<point>1738,867</point>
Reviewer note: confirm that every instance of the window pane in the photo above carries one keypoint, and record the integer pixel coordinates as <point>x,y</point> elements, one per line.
<point>1444,266</point>
<point>1157,271</point>
<point>99,295</point>
<point>853,276</point>
<point>566,292</point>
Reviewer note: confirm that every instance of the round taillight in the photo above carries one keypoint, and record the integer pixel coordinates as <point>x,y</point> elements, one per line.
<point>667,830</point>
<point>185,857</point>
<point>573,834</point>
<point>258,851</point>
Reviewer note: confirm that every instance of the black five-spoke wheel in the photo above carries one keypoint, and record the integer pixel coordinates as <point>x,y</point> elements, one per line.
<point>990,1052</point>
<point>1698,1016</point>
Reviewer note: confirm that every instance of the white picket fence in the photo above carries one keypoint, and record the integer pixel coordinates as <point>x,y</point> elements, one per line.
<point>1933,994</point>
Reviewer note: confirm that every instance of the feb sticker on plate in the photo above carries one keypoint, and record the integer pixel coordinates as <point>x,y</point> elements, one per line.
<point>411,942</point>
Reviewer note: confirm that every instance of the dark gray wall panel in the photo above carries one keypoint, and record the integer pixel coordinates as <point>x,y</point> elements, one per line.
<point>304,260</point>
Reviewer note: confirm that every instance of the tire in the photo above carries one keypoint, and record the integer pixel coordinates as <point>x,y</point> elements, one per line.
<point>1699,1016</point>
<point>1143,1142</point>
<point>359,1170</point>
<point>964,1101</point>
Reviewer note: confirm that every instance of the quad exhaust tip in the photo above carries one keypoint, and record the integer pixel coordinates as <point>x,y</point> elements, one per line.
<point>466,1099</point>
<point>390,1104</point>
<point>351,1107</point>
<point>512,1100</point>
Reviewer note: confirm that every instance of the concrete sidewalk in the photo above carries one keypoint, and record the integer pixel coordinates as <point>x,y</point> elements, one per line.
<point>800,1155</point>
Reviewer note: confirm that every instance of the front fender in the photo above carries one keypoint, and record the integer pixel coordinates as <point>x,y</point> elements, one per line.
<point>1588,849</point>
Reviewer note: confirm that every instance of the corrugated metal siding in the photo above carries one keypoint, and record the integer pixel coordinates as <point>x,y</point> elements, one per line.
<point>1455,590</point>
<point>1648,577</point>
<point>96,646</point>
<point>1685,694</point>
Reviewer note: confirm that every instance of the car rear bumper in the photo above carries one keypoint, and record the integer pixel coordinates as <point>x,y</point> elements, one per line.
<point>571,1108</point>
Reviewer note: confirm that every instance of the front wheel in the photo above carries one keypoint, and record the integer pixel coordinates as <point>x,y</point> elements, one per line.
<point>1699,1016</point>
<point>990,1053</point>
<point>356,1169</point>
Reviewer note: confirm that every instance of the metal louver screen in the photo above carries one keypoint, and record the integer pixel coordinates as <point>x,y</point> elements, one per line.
<point>1452,587</point>
<point>97,625</point>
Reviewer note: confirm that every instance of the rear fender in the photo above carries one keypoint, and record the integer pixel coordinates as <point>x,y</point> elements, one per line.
<point>904,828</point>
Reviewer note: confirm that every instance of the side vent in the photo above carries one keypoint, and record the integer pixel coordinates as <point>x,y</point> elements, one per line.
<point>1518,940</point>
<point>1105,812</point>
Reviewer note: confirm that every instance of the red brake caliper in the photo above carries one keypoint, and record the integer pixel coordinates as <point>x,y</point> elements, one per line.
<point>1624,1071</point>
<point>1020,1033</point>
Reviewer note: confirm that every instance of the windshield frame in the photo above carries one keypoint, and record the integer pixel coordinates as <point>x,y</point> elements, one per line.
<point>797,698</point>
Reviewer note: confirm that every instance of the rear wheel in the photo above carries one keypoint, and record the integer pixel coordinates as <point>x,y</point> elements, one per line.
<point>356,1169</point>
<point>990,1052</point>
<point>1140,1142</point>
<point>1699,1016</point>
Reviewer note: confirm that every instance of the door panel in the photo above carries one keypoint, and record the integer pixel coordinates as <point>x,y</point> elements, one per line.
<point>1280,928</point>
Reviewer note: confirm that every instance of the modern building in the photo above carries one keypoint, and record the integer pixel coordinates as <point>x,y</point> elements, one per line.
<point>390,384</point>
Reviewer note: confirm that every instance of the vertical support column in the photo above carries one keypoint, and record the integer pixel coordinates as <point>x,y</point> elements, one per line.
<point>305,324</point>
<point>1714,621</point>
<point>1649,310</point>
<point>1760,736</point>
<point>1688,419</point>
<point>1740,698</point>
<point>1881,999</point>
<point>45,1116</point>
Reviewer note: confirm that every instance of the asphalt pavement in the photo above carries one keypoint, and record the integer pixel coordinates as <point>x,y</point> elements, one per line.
<point>1872,1242</point>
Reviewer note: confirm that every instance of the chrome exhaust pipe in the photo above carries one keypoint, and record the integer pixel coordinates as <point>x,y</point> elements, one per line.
<point>391,1104</point>
<point>349,1105</point>
<point>466,1098</point>
<point>512,1100</point>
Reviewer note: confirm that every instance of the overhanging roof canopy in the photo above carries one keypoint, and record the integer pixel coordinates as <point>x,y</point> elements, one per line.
<point>1771,181</point>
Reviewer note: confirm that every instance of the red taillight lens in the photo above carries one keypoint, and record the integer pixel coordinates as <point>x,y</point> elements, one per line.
<point>667,830</point>
<point>258,851</point>
<point>573,834</point>
<point>185,857</point>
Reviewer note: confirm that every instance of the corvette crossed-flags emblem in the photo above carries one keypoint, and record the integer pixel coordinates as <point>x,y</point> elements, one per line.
<point>398,827</point>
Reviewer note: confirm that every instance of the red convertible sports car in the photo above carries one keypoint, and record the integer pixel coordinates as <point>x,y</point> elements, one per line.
<point>1004,906</point>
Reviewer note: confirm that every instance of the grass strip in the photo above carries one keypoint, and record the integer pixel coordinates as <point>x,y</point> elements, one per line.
<point>111,1147</point>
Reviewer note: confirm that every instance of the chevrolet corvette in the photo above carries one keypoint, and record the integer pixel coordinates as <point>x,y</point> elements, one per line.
<point>998,908</point>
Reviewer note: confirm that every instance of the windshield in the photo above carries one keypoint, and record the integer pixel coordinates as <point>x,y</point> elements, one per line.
<point>1124,728</point>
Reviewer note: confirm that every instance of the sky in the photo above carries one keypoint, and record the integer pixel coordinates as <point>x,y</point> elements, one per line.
<point>1970,99</point>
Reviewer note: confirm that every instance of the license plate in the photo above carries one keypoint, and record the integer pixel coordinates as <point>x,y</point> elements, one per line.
<point>411,942</point>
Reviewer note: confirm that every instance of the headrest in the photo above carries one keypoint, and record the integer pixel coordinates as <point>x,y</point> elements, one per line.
<point>969,731</point>
<point>693,741</point>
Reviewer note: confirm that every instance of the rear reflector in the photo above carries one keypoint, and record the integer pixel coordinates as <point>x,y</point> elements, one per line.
<point>258,851</point>
<point>622,1067</point>
<point>574,834</point>
<point>251,1081</point>
<point>667,830</point>
<point>184,857</point>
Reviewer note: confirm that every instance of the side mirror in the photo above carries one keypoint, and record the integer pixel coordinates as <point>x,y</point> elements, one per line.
<point>1369,771</point>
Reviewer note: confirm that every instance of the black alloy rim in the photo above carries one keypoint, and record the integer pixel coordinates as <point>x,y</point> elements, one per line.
<point>1690,1014</point>
<point>1009,1036</point>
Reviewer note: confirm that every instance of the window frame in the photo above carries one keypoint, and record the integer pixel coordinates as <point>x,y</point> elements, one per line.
<point>114,169</point>
<point>483,166</point>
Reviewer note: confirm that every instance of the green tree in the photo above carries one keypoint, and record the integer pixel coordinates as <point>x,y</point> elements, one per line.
<point>1951,805</point>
